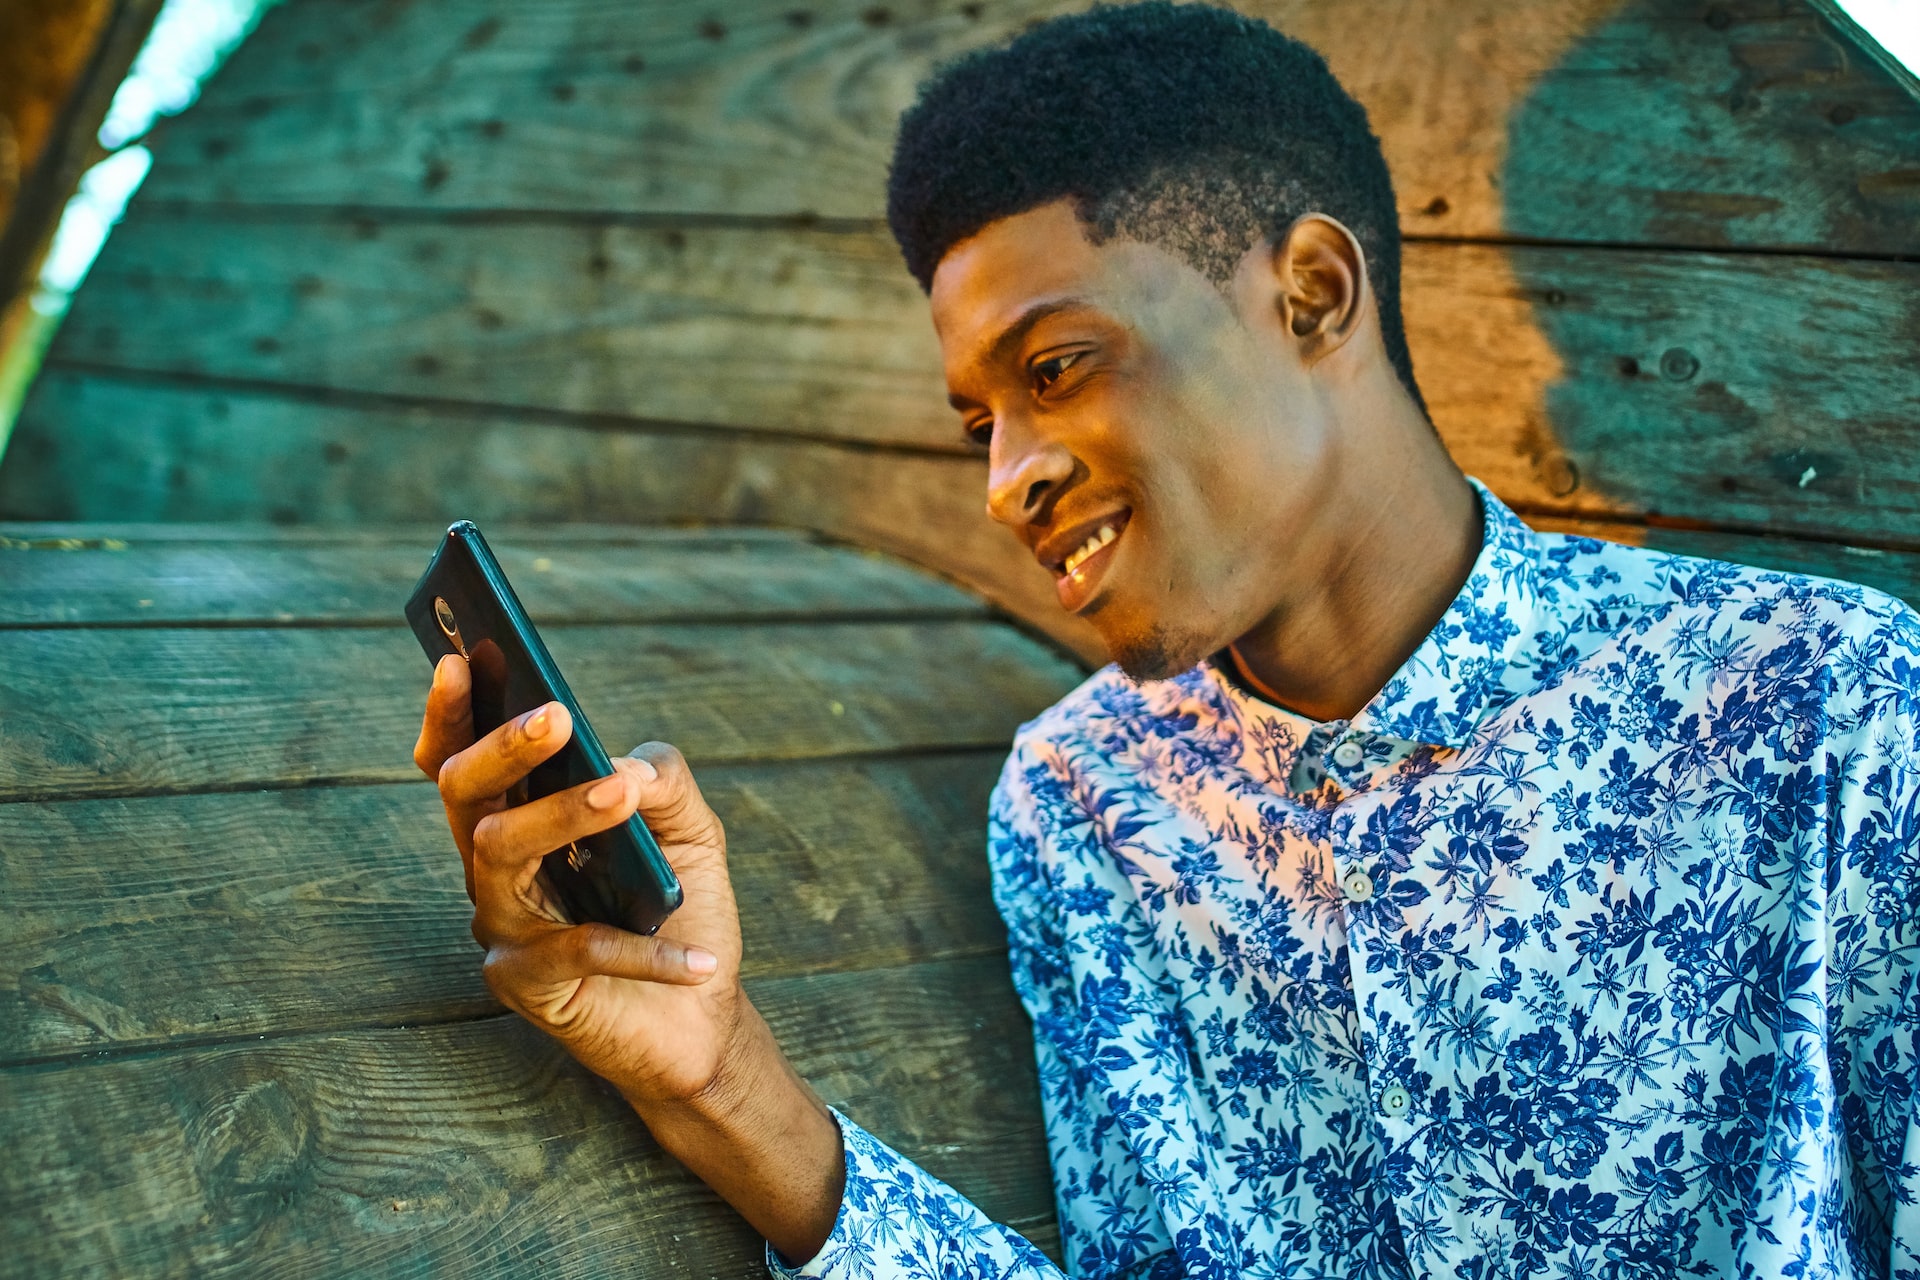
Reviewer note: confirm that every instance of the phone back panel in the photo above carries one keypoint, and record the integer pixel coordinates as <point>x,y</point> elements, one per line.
<point>464,604</point>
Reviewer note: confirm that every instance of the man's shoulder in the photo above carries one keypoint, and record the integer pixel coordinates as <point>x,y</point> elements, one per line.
<point>1635,587</point>
<point>1790,638</point>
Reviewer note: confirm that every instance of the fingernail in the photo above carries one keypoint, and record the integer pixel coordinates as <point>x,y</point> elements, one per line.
<point>645,768</point>
<point>608,792</point>
<point>699,961</point>
<point>440,670</point>
<point>535,725</point>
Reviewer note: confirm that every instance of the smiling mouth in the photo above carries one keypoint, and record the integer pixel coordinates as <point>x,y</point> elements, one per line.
<point>1079,573</point>
<point>1106,534</point>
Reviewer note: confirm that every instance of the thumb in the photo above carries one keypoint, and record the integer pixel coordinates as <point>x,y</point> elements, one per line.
<point>670,802</point>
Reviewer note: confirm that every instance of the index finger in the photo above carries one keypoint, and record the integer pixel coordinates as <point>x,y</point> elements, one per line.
<point>446,728</point>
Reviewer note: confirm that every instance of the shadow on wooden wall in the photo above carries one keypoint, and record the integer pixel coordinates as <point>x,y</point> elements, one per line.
<point>433,258</point>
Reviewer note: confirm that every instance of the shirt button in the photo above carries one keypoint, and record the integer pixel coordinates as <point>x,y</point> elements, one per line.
<point>1358,886</point>
<point>1348,754</point>
<point>1394,1100</point>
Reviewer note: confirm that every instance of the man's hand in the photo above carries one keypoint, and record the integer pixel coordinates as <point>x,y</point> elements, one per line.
<point>663,1018</point>
<point>656,1016</point>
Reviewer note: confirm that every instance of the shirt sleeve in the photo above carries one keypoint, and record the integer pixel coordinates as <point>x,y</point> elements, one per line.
<point>898,1222</point>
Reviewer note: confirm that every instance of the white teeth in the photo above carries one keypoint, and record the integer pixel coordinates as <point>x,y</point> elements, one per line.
<point>1090,546</point>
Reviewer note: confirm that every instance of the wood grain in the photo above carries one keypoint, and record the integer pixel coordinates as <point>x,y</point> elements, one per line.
<point>679,576</point>
<point>123,711</point>
<point>1740,123</point>
<point>810,332</point>
<point>142,920</point>
<point>1760,391</point>
<point>1574,381</point>
<point>479,1149</point>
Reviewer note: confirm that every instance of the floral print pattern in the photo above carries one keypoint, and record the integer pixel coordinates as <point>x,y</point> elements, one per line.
<point>1588,948</point>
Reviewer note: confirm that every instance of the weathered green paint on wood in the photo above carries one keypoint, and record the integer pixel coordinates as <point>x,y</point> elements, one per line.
<point>1738,123</point>
<point>480,1149</point>
<point>1580,381</point>
<point>120,711</point>
<point>136,921</point>
<point>669,576</point>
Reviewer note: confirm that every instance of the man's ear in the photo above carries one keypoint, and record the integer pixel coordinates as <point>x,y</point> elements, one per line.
<point>1320,276</point>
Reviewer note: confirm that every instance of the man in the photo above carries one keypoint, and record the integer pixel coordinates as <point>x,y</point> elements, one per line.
<point>1421,895</point>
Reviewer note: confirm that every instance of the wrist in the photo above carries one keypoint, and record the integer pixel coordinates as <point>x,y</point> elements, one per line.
<point>758,1135</point>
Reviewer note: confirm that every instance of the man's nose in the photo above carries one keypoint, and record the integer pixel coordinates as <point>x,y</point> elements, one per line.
<point>1025,472</point>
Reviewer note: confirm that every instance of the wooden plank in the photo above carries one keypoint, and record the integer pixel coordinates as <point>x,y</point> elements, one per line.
<point>1741,123</point>
<point>1573,380</point>
<point>347,467</point>
<point>1764,391</point>
<point>479,1149</point>
<point>116,581</point>
<point>811,332</point>
<point>120,535</point>
<point>127,711</point>
<point>1584,381</point>
<point>138,921</point>
<point>1895,572</point>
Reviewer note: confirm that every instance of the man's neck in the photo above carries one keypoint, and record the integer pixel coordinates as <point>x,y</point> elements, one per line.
<point>1394,549</point>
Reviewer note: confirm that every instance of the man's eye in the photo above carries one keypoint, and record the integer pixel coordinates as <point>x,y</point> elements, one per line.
<point>1047,372</point>
<point>981,432</point>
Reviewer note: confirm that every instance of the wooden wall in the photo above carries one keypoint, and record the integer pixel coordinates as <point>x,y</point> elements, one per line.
<point>599,260</point>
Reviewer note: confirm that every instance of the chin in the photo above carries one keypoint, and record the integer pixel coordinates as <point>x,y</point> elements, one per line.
<point>1158,653</point>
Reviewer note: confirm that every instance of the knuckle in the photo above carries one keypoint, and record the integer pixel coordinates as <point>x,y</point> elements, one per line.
<point>486,837</point>
<point>597,947</point>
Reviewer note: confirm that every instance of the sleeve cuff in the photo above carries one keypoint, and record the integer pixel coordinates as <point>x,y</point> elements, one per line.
<point>897,1220</point>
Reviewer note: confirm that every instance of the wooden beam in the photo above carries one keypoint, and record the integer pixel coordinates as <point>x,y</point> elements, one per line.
<point>1741,123</point>
<point>130,710</point>
<point>60,64</point>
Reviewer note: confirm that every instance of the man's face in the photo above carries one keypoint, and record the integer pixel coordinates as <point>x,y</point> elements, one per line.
<point>1154,442</point>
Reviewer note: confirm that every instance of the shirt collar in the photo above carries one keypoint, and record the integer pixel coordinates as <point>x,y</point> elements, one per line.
<point>1474,661</point>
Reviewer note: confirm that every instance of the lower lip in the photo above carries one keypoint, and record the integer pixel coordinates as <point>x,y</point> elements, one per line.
<point>1076,589</point>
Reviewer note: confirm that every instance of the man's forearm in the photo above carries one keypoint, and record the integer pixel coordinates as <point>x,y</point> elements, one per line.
<point>762,1139</point>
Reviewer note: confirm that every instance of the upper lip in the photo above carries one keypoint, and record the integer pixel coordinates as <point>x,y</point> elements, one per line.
<point>1056,547</point>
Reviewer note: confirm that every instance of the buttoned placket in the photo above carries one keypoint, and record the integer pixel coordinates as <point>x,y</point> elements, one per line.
<point>1347,761</point>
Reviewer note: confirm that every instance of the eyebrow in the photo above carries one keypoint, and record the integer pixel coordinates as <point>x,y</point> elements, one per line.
<point>1014,334</point>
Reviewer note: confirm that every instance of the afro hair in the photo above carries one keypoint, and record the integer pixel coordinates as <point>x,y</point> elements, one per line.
<point>1185,126</point>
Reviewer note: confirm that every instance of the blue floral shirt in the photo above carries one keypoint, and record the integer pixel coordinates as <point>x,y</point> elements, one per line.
<point>1588,948</point>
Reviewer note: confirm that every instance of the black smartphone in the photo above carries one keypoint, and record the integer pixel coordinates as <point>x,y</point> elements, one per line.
<point>465,605</point>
